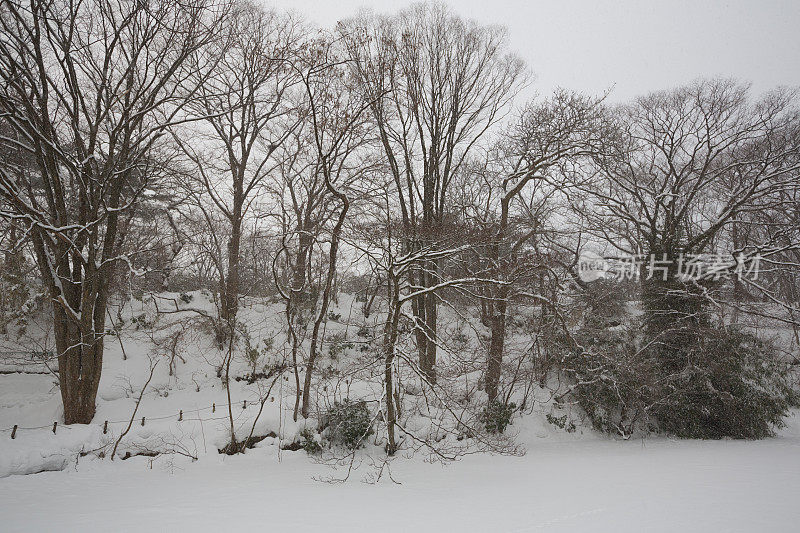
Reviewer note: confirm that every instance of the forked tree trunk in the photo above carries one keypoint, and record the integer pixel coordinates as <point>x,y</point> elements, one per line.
<point>80,362</point>
<point>79,295</point>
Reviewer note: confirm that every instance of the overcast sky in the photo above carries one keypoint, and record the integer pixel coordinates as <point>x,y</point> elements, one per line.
<point>635,46</point>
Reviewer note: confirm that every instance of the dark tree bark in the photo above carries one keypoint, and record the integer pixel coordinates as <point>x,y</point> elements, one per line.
<point>533,157</point>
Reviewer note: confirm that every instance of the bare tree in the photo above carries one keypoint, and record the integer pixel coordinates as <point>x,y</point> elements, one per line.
<point>514,193</point>
<point>683,165</point>
<point>90,87</point>
<point>339,134</point>
<point>246,113</point>
<point>446,83</point>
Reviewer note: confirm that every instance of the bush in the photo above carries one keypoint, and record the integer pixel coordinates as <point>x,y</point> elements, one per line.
<point>561,422</point>
<point>730,383</point>
<point>497,416</point>
<point>613,378</point>
<point>347,423</point>
<point>338,344</point>
<point>308,441</point>
<point>460,341</point>
<point>735,386</point>
<point>142,322</point>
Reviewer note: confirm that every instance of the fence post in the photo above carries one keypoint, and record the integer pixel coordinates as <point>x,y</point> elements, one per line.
<point>244,404</point>
<point>142,421</point>
<point>213,408</point>
<point>105,427</point>
<point>180,415</point>
<point>14,432</point>
<point>54,427</point>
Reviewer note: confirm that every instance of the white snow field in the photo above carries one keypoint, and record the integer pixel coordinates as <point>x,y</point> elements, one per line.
<point>565,482</point>
<point>656,485</point>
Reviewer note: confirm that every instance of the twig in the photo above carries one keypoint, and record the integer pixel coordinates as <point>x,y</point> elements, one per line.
<point>133,415</point>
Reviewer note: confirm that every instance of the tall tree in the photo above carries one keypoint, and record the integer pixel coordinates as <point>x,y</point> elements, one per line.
<point>339,134</point>
<point>322,161</point>
<point>437,84</point>
<point>244,112</point>
<point>90,87</point>
<point>683,165</point>
<point>528,170</point>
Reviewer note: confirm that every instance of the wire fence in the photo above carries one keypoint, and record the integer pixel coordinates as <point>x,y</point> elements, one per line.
<point>179,417</point>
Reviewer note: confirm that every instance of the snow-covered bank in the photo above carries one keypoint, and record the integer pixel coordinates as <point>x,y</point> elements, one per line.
<point>653,485</point>
<point>567,481</point>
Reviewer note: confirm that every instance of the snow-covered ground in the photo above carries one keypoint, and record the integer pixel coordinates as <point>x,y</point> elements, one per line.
<point>593,485</point>
<point>565,482</point>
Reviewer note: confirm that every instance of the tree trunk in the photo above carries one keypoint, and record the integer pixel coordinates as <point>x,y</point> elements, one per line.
<point>230,298</point>
<point>673,310</point>
<point>300,291</point>
<point>496,344</point>
<point>431,316</point>
<point>389,341</point>
<point>425,310</point>
<point>80,362</point>
<point>298,295</point>
<point>323,310</point>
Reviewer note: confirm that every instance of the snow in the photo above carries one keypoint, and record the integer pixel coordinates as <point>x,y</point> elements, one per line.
<point>565,482</point>
<point>597,485</point>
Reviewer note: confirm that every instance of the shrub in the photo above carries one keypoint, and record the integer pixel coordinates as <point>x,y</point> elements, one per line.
<point>613,378</point>
<point>460,341</point>
<point>338,343</point>
<point>309,442</point>
<point>142,322</point>
<point>734,386</point>
<point>497,416</point>
<point>729,383</point>
<point>347,423</point>
<point>561,422</point>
